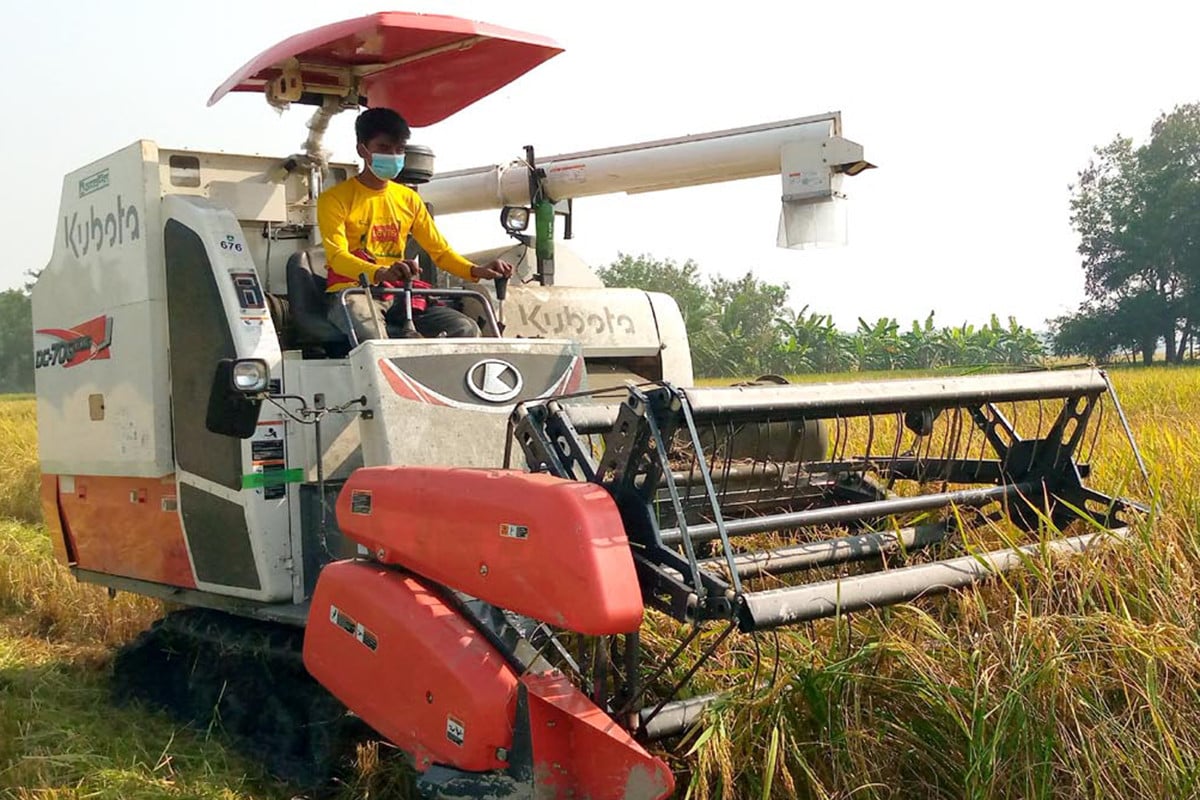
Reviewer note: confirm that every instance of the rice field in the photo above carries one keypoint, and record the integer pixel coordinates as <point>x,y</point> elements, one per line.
<point>1079,678</point>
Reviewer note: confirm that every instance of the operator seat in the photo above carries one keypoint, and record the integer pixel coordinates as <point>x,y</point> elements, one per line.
<point>312,331</point>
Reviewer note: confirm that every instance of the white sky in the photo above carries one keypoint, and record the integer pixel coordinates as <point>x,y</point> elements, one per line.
<point>979,116</point>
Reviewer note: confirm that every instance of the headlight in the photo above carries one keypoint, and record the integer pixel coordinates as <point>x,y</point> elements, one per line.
<point>251,375</point>
<point>514,218</point>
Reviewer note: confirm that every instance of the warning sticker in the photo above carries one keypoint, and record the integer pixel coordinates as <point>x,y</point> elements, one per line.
<point>360,501</point>
<point>455,731</point>
<point>568,173</point>
<point>366,637</point>
<point>361,633</point>
<point>342,620</point>
<point>266,450</point>
<point>510,531</point>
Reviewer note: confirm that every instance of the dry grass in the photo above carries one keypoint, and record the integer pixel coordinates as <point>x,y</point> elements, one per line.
<point>1077,679</point>
<point>33,587</point>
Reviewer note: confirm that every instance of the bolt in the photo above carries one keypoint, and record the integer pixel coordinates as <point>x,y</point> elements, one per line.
<point>429,697</point>
<point>379,553</point>
<point>501,754</point>
<point>483,570</point>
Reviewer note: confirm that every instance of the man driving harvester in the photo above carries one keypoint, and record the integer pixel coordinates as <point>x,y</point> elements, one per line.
<point>365,223</point>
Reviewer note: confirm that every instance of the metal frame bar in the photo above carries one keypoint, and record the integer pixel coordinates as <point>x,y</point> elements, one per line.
<point>670,506</point>
<point>796,604</point>
<point>376,291</point>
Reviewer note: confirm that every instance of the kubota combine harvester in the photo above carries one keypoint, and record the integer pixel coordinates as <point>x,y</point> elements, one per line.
<point>460,539</point>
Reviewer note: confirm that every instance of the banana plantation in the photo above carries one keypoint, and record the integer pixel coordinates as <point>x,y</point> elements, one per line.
<point>744,327</point>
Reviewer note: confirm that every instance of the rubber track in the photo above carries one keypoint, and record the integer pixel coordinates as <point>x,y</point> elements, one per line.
<point>246,679</point>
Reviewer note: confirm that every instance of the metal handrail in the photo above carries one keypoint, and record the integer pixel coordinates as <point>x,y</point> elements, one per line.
<point>377,291</point>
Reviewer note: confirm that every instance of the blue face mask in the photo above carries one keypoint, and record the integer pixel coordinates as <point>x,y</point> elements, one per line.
<point>386,166</point>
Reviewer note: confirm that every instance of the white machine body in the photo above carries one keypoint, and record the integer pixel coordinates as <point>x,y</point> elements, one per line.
<point>167,262</point>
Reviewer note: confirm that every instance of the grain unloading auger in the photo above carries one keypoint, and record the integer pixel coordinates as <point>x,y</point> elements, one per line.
<point>750,505</point>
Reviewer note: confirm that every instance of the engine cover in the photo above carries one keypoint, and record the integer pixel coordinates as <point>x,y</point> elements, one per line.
<point>545,547</point>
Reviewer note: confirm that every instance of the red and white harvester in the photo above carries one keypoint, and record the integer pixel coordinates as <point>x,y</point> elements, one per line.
<point>458,541</point>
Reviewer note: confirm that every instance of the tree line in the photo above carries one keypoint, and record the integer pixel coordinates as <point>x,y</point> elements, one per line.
<point>1137,212</point>
<point>744,327</point>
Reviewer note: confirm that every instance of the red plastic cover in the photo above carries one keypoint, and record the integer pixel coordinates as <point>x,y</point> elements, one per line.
<point>549,548</point>
<point>426,66</point>
<point>578,751</point>
<point>410,666</point>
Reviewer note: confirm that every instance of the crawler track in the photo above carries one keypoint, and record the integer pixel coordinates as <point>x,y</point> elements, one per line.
<point>246,679</point>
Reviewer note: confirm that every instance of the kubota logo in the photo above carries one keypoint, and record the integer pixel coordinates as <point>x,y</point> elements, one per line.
<point>87,341</point>
<point>494,380</point>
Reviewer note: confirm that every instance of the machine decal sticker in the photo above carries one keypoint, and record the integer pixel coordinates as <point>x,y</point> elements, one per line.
<point>231,244</point>
<point>571,381</point>
<point>266,450</point>
<point>342,620</point>
<point>93,183</point>
<point>494,380</point>
<point>455,731</point>
<point>267,454</point>
<point>569,173</point>
<point>272,477</point>
<point>567,320</point>
<point>362,634</point>
<point>249,292</point>
<point>510,531</point>
<point>107,230</point>
<point>367,637</point>
<point>408,388</point>
<point>87,341</point>
<point>360,502</point>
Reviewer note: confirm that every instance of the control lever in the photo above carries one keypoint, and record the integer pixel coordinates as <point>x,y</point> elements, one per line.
<point>501,293</point>
<point>380,330</point>
<point>409,331</point>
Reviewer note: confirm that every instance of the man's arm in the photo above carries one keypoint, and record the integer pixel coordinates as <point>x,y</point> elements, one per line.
<point>432,241</point>
<point>332,213</point>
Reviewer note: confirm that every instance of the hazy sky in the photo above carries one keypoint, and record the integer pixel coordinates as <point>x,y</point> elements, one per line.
<point>978,114</point>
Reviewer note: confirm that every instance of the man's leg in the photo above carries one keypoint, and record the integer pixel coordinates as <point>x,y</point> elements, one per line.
<point>365,312</point>
<point>444,321</point>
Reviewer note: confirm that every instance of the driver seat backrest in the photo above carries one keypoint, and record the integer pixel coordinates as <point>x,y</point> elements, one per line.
<point>311,329</point>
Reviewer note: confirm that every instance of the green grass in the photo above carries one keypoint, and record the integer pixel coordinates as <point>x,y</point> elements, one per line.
<point>1079,678</point>
<point>60,737</point>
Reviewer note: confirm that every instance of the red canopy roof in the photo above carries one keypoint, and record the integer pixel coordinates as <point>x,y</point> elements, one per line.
<point>425,66</point>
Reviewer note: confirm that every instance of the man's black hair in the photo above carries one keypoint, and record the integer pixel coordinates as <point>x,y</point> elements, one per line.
<point>376,121</point>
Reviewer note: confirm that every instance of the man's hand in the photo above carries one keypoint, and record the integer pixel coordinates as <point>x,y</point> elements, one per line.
<point>399,272</point>
<point>494,269</point>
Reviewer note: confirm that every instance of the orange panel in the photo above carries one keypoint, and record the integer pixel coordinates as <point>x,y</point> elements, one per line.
<point>549,548</point>
<point>54,523</point>
<point>579,751</point>
<point>128,527</point>
<point>410,666</point>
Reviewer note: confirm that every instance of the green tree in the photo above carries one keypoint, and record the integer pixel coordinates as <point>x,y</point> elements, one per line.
<point>1137,212</point>
<point>685,284</point>
<point>16,342</point>
<point>748,336</point>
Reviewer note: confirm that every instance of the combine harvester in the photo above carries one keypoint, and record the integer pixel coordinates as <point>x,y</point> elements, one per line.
<point>459,539</point>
